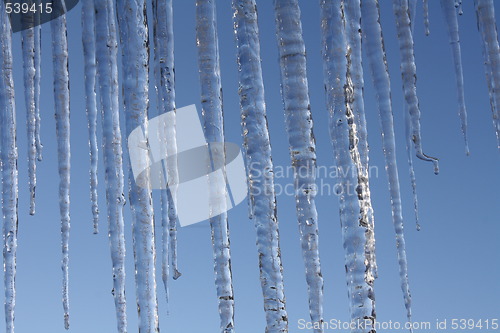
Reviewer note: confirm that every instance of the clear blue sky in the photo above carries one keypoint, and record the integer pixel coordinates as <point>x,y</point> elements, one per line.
<point>453,261</point>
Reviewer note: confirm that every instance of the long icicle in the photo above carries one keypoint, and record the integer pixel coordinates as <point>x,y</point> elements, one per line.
<point>213,124</point>
<point>28,46</point>
<point>38,57</point>
<point>257,146</point>
<point>450,15</point>
<point>412,10</point>
<point>409,74</point>
<point>89,55</point>
<point>485,12</point>
<point>62,109</point>
<point>107,49</point>
<point>375,50</point>
<point>134,41</point>
<point>8,164</point>
<point>165,89</point>
<point>298,118</point>
<point>352,12</point>
<point>342,132</point>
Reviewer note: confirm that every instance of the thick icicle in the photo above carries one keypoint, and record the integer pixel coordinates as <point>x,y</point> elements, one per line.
<point>61,100</point>
<point>165,89</point>
<point>302,145</point>
<point>28,45</point>
<point>38,57</point>
<point>450,15</point>
<point>89,55</point>
<point>485,12</point>
<point>339,94</point>
<point>134,41</point>
<point>257,146</point>
<point>106,46</point>
<point>374,45</point>
<point>352,12</point>
<point>8,164</point>
<point>211,97</point>
<point>213,123</point>
<point>409,74</point>
<point>426,17</point>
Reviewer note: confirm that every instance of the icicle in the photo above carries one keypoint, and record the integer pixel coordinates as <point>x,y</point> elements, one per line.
<point>485,12</point>
<point>451,21</point>
<point>89,55</point>
<point>374,44</point>
<point>8,163</point>
<point>28,45</point>
<point>408,71</point>
<point>165,88</point>
<point>257,148</point>
<point>460,8</point>
<point>61,100</point>
<point>213,123</point>
<point>302,144</point>
<point>38,57</point>
<point>134,41</point>
<point>412,10</point>
<point>342,126</point>
<point>352,12</point>
<point>413,179</point>
<point>426,17</point>
<point>107,48</point>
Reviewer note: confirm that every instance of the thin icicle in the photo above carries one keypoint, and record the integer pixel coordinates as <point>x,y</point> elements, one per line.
<point>106,46</point>
<point>342,127</point>
<point>485,12</point>
<point>8,164</point>
<point>302,145</point>
<point>409,74</point>
<point>426,17</point>
<point>413,178</point>
<point>89,55</point>
<point>38,57</point>
<point>28,46</point>
<point>352,12</point>
<point>256,143</point>
<point>134,41</point>
<point>213,124</point>
<point>409,153</point>
<point>165,89</point>
<point>374,44</point>
<point>62,110</point>
<point>450,15</point>
<point>460,8</point>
